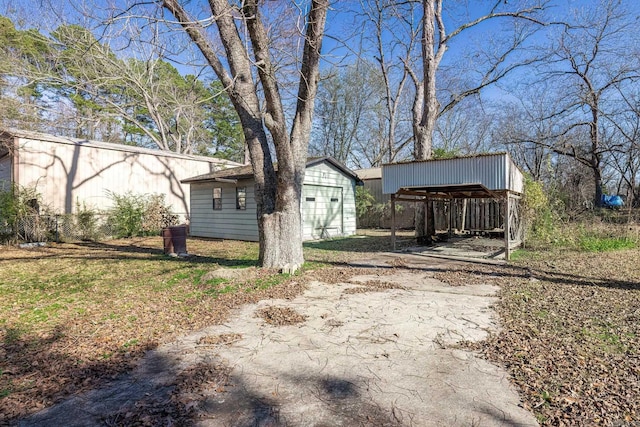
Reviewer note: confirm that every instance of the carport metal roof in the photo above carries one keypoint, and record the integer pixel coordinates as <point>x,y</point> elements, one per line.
<point>451,191</point>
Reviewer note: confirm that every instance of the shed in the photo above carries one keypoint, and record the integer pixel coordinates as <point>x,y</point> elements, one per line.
<point>493,176</point>
<point>66,171</point>
<point>223,203</point>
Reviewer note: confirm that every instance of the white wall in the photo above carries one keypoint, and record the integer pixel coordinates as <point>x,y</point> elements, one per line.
<point>66,173</point>
<point>230,223</point>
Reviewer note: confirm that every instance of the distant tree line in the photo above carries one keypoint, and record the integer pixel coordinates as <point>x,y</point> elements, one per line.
<point>556,85</point>
<point>69,83</point>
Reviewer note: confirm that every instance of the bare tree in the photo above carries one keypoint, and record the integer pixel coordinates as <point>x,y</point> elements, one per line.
<point>277,195</point>
<point>496,62</point>
<point>346,124</point>
<point>436,40</point>
<point>464,130</point>
<point>587,64</point>
<point>392,36</point>
<point>623,144</point>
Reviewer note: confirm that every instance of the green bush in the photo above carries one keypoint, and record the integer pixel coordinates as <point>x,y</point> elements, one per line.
<point>541,214</point>
<point>134,215</point>
<point>15,205</point>
<point>86,222</point>
<point>364,201</point>
<point>367,207</point>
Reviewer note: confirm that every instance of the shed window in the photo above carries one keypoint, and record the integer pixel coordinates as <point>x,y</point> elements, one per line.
<point>241,198</point>
<point>310,199</point>
<point>217,198</point>
<point>334,199</point>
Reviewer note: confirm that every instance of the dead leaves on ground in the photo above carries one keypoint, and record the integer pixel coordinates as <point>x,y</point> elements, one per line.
<point>180,407</point>
<point>221,339</point>
<point>570,336</point>
<point>280,316</point>
<point>372,286</point>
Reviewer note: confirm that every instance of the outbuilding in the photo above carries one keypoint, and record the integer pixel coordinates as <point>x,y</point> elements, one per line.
<point>223,203</point>
<point>67,171</point>
<point>484,176</point>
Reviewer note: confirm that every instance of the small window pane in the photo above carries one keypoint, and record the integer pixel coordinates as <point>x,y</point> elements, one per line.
<point>241,198</point>
<point>334,199</point>
<point>217,198</point>
<point>311,199</point>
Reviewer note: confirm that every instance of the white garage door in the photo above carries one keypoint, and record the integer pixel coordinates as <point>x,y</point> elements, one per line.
<point>321,212</point>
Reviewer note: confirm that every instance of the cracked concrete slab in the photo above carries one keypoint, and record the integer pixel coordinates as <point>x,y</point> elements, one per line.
<point>381,357</point>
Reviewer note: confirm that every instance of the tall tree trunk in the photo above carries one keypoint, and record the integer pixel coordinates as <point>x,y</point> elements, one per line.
<point>426,106</point>
<point>597,180</point>
<point>277,195</point>
<point>426,109</point>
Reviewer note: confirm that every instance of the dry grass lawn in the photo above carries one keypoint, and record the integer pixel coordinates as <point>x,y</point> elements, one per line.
<point>75,314</point>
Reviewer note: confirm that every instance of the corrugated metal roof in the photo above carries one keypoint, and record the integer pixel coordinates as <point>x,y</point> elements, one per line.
<point>495,171</point>
<point>39,136</point>
<point>466,156</point>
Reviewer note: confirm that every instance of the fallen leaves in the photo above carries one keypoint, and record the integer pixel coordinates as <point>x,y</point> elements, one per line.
<point>372,286</point>
<point>568,337</point>
<point>221,339</point>
<point>280,316</point>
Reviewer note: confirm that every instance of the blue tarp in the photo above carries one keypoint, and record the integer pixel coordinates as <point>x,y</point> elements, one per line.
<point>613,201</point>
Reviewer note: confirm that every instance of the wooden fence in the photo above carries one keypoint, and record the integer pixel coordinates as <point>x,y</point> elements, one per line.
<point>473,215</point>
<point>469,214</point>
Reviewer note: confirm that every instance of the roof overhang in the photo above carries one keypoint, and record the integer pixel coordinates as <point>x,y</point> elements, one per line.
<point>232,175</point>
<point>448,191</point>
<point>197,179</point>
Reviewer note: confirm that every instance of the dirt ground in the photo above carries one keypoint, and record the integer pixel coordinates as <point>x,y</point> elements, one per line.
<point>360,346</point>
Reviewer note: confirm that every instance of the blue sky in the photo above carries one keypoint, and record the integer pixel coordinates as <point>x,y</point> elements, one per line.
<point>37,13</point>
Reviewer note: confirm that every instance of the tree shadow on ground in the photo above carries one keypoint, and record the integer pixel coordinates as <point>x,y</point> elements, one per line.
<point>481,269</point>
<point>40,370</point>
<point>162,394</point>
<point>108,251</point>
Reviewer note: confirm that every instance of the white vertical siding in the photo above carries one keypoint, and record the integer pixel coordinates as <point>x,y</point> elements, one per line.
<point>228,222</point>
<point>67,173</point>
<point>326,175</point>
<point>322,181</point>
<point>322,212</point>
<point>495,172</point>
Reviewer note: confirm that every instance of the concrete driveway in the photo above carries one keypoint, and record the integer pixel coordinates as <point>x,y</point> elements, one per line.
<point>372,350</point>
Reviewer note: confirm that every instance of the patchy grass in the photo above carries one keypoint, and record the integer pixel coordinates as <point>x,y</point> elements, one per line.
<point>367,241</point>
<point>73,314</point>
<point>591,234</point>
<point>605,244</point>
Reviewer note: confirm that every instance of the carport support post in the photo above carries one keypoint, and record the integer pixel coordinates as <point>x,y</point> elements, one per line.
<point>450,230</point>
<point>507,231</point>
<point>393,221</point>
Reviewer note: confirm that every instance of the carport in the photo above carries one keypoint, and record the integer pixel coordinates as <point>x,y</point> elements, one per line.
<point>480,177</point>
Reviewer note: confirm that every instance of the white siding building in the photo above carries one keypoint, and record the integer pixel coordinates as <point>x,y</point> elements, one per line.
<point>67,171</point>
<point>223,203</point>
